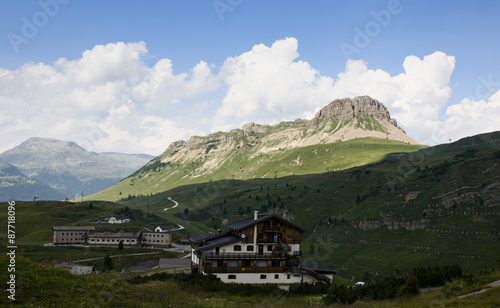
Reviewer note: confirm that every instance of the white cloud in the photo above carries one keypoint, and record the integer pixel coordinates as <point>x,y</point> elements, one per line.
<point>415,97</point>
<point>469,118</point>
<point>110,100</point>
<point>268,85</point>
<point>100,100</point>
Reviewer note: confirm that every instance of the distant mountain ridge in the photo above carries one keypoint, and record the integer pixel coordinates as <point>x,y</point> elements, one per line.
<point>64,167</point>
<point>258,150</point>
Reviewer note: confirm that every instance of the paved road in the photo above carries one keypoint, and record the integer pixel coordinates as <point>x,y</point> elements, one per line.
<point>495,284</point>
<point>167,263</point>
<point>176,204</point>
<point>124,256</point>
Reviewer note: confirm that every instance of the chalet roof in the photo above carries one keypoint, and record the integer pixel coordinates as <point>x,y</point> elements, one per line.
<point>224,239</point>
<point>315,267</point>
<point>202,237</point>
<point>163,227</point>
<point>242,224</point>
<point>73,228</point>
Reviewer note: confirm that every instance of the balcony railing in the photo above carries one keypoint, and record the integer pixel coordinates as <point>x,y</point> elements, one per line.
<point>250,256</point>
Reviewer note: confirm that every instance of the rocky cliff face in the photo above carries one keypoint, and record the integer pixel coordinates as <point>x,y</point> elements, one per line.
<point>341,120</point>
<point>349,109</point>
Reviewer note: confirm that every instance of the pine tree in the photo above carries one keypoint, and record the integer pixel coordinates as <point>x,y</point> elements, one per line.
<point>108,263</point>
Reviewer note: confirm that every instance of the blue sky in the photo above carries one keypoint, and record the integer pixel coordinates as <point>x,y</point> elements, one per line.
<point>215,65</point>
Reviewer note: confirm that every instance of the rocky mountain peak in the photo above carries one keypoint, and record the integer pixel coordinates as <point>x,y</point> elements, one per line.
<point>348,109</point>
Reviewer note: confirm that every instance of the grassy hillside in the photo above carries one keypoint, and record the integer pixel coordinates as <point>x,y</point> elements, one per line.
<point>435,206</point>
<point>41,285</point>
<point>248,161</point>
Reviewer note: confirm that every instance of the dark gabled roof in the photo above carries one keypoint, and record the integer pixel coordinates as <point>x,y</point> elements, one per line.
<point>201,238</point>
<point>315,267</point>
<point>242,224</point>
<point>73,228</point>
<point>163,227</point>
<point>228,238</point>
<point>120,217</point>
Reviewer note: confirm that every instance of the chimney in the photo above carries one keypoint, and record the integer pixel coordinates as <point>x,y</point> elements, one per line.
<point>255,215</point>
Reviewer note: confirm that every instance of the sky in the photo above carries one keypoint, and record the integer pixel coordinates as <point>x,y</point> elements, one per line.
<point>132,77</point>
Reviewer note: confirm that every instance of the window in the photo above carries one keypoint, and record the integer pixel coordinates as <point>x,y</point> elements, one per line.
<point>216,263</point>
<point>275,263</point>
<point>288,276</point>
<point>250,248</point>
<point>269,247</point>
<point>261,263</point>
<point>276,276</point>
<point>231,277</point>
<point>263,276</point>
<point>247,263</point>
<point>232,263</point>
<point>237,247</point>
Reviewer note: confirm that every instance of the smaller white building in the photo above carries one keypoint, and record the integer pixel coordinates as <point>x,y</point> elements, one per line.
<point>118,219</point>
<point>161,228</point>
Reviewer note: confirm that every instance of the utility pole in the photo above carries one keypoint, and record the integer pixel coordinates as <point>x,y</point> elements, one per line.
<point>275,174</point>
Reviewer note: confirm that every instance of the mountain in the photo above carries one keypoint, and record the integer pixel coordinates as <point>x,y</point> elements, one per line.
<point>64,168</point>
<point>434,206</point>
<point>329,141</point>
<point>14,185</point>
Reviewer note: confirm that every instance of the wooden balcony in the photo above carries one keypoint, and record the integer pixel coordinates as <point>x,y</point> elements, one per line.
<point>275,255</point>
<point>243,256</point>
<point>216,270</point>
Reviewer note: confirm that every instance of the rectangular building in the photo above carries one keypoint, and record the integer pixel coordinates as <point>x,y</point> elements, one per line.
<point>71,234</point>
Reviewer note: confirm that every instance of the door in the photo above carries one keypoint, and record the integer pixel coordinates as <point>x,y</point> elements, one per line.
<point>261,249</point>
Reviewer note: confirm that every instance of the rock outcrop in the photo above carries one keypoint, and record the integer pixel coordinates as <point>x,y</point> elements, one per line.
<point>348,109</point>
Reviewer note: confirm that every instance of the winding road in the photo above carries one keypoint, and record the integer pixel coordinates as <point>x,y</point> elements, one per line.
<point>176,204</point>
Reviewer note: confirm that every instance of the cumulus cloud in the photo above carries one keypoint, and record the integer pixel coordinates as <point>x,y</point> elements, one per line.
<point>110,100</point>
<point>470,117</point>
<point>102,100</point>
<point>268,85</point>
<point>415,98</point>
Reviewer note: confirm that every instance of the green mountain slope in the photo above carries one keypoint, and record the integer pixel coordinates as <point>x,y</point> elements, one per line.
<point>435,206</point>
<point>14,185</point>
<point>66,168</point>
<point>344,134</point>
<point>249,162</point>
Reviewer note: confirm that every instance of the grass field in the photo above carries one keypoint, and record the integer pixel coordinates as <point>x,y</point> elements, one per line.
<point>44,286</point>
<point>380,219</point>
